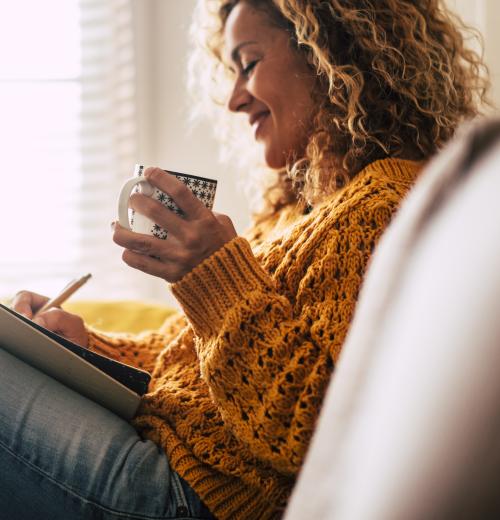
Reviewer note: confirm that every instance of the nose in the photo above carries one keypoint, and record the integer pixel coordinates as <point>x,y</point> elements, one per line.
<point>240,97</point>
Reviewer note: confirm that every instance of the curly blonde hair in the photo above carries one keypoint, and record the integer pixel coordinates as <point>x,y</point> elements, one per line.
<point>394,78</point>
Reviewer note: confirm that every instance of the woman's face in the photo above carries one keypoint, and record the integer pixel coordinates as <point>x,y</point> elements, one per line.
<point>272,83</point>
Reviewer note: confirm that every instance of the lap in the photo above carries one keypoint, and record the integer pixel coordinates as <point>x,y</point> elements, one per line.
<point>63,456</point>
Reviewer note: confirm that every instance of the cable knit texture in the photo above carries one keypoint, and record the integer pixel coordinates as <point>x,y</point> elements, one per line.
<point>238,380</point>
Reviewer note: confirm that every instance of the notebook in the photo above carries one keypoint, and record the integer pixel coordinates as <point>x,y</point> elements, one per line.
<point>112,384</point>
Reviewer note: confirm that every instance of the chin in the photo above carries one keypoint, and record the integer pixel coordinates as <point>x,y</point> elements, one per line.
<point>274,160</point>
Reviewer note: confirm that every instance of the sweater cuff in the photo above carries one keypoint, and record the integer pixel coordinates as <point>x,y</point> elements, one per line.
<point>97,341</point>
<point>219,283</point>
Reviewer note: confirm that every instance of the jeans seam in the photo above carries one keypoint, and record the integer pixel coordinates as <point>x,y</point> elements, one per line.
<point>72,492</point>
<point>179,492</point>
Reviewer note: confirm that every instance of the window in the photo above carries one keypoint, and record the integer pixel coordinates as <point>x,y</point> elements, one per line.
<point>40,103</point>
<point>67,103</point>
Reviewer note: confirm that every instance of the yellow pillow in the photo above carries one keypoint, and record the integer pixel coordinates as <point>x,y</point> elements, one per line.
<point>120,315</point>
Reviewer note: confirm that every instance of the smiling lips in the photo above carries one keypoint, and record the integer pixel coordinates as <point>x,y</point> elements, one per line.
<point>257,119</point>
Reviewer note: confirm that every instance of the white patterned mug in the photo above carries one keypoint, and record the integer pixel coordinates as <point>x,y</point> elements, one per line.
<point>203,188</point>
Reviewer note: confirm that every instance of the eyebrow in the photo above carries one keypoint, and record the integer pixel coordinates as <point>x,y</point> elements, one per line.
<point>235,53</point>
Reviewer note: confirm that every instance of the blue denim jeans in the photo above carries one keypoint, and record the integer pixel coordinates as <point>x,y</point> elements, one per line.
<point>63,457</point>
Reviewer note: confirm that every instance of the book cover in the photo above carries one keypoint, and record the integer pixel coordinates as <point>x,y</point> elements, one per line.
<point>112,384</point>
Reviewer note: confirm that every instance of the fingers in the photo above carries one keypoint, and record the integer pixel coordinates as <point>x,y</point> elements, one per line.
<point>56,320</point>
<point>169,271</point>
<point>226,223</point>
<point>27,303</point>
<point>146,244</point>
<point>190,240</point>
<point>182,195</point>
<point>65,324</point>
<point>134,241</point>
<point>168,259</point>
<point>158,213</point>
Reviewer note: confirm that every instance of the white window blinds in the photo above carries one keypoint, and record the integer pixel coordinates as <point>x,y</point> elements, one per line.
<point>68,135</point>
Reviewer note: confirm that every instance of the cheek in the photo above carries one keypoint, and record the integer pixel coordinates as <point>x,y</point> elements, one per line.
<point>296,121</point>
<point>289,99</point>
<point>263,89</point>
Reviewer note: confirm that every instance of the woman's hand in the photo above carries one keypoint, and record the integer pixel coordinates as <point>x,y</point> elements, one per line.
<point>56,320</point>
<point>190,240</point>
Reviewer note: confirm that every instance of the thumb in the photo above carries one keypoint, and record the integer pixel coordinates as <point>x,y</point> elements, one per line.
<point>226,223</point>
<point>64,323</point>
<point>40,321</point>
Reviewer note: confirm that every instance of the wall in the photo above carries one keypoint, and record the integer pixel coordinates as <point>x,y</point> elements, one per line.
<point>485,16</point>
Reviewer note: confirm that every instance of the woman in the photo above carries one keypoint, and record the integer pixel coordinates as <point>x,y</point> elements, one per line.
<point>346,102</point>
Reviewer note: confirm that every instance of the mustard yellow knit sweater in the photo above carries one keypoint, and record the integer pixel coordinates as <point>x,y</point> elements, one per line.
<point>239,379</point>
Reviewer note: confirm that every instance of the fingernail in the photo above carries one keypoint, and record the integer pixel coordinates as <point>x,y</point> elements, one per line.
<point>113,224</point>
<point>150,172</point>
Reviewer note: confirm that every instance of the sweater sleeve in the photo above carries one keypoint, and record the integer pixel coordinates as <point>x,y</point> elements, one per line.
<point>267,353</point>
<point>139,350</point>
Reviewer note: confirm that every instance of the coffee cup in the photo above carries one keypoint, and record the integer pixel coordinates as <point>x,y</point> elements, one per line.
<point>203,189</point>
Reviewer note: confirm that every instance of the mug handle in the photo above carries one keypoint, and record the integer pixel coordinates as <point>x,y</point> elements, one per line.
<point>124,197</point>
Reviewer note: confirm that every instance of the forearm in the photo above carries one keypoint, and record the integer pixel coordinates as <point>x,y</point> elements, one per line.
<point>268,338</point>
<point>266,361</point>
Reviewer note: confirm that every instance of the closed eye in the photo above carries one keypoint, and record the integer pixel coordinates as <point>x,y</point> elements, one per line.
<point>248,69</point>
